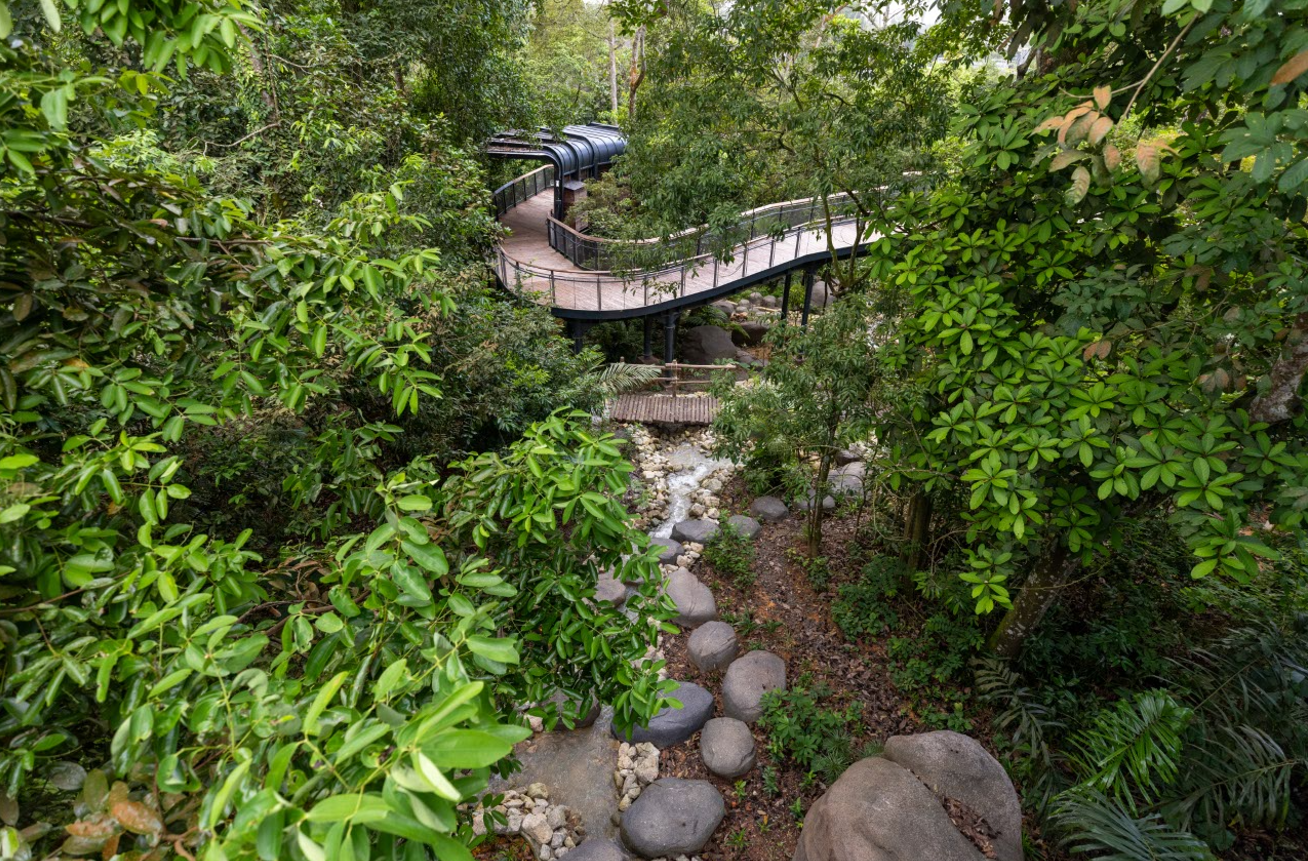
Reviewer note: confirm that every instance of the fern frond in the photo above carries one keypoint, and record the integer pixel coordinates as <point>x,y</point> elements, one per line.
<point>1094,823</point>
<point>1236,774</point>
<point>1139,739</point>
<point>1030,723</point>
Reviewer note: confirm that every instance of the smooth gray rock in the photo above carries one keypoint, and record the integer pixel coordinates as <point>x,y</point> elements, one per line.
<point>674,725</point>
<point>746,526</point>
<point>562,704</point>
<point>704,345</point>
<point>878,811</point>
<point>857,469</point>
<point>694,600</point>
<point>845,456</point>
<point>698,531</point>
<point>749,333</point>
<point>747,679</point>
<point>598,850</point>
<point>672,817</point>
<point>770,302</point>
<point>821,295</point>
<point>671,549</point>
<point>769,508</point>
<point>846,485</point>
<point>611,590</point>
<point>828,503</point>
<point>727,747</point>
<point>712,647</point>
<point>957,766</point>
<point>726,306</point>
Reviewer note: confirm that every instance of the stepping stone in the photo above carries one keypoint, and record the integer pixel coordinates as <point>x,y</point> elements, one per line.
<point>694,600</point>
<point>563,704</point>
<point>712,646</point>
<point>746,526</point>
<point>597,850</point>
<point>769,508</point>
<point>672,817</point>
<point>674,725</point>
<point>671,549</point>
<point>727,747</point>
<point>828,503</point>
<point>697,531</point>
<point>747,680</point>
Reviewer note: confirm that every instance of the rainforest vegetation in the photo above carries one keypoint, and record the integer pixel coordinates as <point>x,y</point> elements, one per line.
<point>300,509</point>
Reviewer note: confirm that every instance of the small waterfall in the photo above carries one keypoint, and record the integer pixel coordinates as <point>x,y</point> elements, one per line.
<point>692,467</point>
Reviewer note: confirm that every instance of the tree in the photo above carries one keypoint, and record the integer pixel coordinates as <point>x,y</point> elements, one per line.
<point>812,399</point>
<point>1126,339</point>
<point>346,670</point>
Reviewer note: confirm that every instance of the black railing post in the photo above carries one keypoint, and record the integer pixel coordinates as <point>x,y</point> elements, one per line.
<point>669,335</point>
<point>808,296</point>
<point>785,296</point>
<point>649,337</point>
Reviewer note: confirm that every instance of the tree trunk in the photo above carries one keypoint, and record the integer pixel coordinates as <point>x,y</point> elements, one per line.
<point>816,512</point>
<point>917,531</point>
<point>1281,399</point>
<point>637,71</point>
<point>613,70</point>
<point>1051,572</point>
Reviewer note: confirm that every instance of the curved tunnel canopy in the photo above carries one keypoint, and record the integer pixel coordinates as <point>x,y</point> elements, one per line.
<point>582,151</point>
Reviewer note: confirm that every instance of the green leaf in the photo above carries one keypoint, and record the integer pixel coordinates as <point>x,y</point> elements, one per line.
<point>466,748</point>
<point>51,13</point>
<point>502,651</point>
<point>429,556</point>
<point>321,702</point>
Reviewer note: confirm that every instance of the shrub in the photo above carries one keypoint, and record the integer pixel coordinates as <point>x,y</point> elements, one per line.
<point>732,555</point>
<point>819,740</point>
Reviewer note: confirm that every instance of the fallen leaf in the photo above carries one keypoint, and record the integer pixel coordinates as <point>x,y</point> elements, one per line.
<point>136,817</point>
<point>1293,68</point>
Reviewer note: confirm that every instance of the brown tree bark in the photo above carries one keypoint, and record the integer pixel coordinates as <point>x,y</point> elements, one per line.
<point>917,531</point>
<point>1281,399</point>
<point>1051,572</point>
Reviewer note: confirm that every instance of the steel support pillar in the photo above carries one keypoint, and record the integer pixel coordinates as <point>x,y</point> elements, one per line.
<point>649,338</point>
<point>785,295</point>
<point>578,329</point>
<point>670,335</point>
<point>808,296</point>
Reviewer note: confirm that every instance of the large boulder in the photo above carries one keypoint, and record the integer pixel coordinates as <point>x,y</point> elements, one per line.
<point>747,527</point>
<point>769,508</point>
<point>727,747</point>
<point>747,680</point>
<point>674,725</point>
<point>672,817</point>
<point>694,600</point>
<point>610,590</point>
<point>845,485</point>
<point>878,811</point>
<point>671,549</point>
<point>749,333</point>
<point>712,647</point>
<point>958,767</point>
<point>705,345</point>
<point>698,531</point>
<point>821,295</point>
<point>596,849</point>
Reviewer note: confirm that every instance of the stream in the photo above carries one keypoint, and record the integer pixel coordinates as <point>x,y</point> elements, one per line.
<point>687,467</point>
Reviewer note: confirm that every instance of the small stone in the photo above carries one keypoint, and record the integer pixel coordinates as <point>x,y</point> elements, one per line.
<point>647,770</point>
<point>537,829</point>
<point>545,853</point>
<point>557,816</point>
<point>514,824</point>
<point>538,790</point>
<point>828,503</point>
<point>536,724</point>
<point>556,842</point>
<point>610,590</point>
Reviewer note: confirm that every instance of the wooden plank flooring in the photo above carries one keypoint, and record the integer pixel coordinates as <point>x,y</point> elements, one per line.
<point>552,279</point>
<point>664,409</point>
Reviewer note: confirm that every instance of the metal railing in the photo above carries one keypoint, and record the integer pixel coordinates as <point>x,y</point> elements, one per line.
<point>614,255</point>
<point>637,289</point>
<point>528,185</point>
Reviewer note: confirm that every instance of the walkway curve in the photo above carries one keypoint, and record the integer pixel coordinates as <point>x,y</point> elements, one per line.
<point>539,258</point>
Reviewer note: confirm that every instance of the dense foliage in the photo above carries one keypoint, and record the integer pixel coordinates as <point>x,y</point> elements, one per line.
<point>260,598</point>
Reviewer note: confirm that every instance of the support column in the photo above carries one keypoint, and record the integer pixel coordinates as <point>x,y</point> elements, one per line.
<point>670,335</point>
<point>785,295</point>
<point>577,328</point>
<point>808,296</point>
<point>648,355</point>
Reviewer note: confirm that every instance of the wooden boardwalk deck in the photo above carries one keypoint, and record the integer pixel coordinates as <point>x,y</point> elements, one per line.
<point>664,409</point>
<point>529,265</point>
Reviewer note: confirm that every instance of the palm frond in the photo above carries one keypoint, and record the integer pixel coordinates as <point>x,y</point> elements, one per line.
<point>1030,724</point>
<point>619,377</point>
<point>1095,824</point>
<point>1135,745</point>
<point>1235,775</point>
